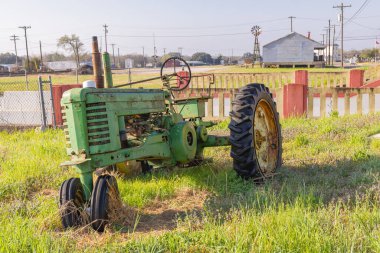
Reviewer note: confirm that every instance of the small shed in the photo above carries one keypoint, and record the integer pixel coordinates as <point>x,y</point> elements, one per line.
<point>293,50</point>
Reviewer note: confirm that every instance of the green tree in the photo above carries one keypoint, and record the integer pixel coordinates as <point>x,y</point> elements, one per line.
<point>167,56</point>
<point>8,58</point>
<point>35,63</point>
<point>203,57</point>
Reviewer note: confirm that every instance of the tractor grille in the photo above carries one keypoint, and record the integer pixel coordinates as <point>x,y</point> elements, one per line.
<point>97,124</point>
<point>65,127</point>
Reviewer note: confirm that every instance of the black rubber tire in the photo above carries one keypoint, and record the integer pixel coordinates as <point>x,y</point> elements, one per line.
<point>71,190</point>
<point>99,201</point>
<point>241,127</point>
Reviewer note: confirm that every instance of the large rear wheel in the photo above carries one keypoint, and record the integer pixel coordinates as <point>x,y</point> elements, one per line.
<point>255,133</point>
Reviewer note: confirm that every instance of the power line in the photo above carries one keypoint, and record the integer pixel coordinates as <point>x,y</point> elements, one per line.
<point>358,11</point>
<point>364,26</point>
<point>189,36</point>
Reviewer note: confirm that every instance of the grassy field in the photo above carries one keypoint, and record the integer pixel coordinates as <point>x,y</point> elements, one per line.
<point>18,82</point>
<point>326,198</point>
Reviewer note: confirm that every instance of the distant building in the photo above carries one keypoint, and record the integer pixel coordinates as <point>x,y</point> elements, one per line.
<point>334,53</point>
<point>196,63</point>
<point>293,50</point>
<point>61,65</point>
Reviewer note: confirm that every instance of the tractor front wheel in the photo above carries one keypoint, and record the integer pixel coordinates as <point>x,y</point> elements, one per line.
<point>255,133</point>
<point>72,203</point>
<point>104,190</point>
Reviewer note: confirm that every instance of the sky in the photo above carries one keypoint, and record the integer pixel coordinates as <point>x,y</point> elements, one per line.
<point>214,26</point>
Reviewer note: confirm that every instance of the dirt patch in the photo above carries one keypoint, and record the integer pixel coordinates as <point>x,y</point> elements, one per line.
<point>159,216</point>
<point>154,220</point>
<point>163,215</point>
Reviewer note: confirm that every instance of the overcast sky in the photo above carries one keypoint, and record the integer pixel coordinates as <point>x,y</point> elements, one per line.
<point>214,26</point>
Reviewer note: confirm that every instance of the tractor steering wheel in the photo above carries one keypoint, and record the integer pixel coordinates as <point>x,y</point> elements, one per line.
<point>175,74</point>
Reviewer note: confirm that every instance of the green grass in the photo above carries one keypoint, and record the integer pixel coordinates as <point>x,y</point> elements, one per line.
<point>324,199</point>
<point>18,82</point>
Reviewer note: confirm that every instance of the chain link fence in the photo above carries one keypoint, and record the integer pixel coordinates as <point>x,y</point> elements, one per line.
<point>26,103</point>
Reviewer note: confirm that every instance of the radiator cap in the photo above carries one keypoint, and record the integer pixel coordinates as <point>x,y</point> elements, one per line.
<point>89,84</point>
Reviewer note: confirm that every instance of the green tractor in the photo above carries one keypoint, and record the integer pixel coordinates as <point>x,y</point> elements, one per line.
<point>105,127</point>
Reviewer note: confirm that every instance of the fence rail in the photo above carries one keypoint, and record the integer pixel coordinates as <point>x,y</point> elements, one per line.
<point>327,79</point>
<point>236,80</point>
<point>323,102</point>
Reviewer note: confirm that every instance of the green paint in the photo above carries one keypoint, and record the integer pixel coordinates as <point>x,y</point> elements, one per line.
<point>99,128</point>
<point>107,70</point>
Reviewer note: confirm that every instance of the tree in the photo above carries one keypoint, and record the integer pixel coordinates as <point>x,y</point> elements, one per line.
<point>35,63</point>
<point>247,56</point>
<point>203,57</point>
<point>71,44</point>
<point>167,56</point>
<point>55,57</point>
<point>8,58</point>
<point>368,53</point>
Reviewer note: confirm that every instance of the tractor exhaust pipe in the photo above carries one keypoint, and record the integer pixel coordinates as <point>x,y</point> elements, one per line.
<point>97,64</point>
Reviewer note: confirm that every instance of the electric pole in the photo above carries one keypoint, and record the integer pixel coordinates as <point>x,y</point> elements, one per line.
<point>154,51</point>
<point>113,54</point>
<point>327,49</point>
<point>329,42</point>
<point>341,7</point>
<point>14,38</point>
<point>323,38</point>
<point>333,45</point>
<point>291,23</point>
<point>105,35</point>
<point>143,57</point>
<point>42,63</point>
<point>26,45</point>
<point>180,51</point>
<point>164,51</point>
<point>118,58</point>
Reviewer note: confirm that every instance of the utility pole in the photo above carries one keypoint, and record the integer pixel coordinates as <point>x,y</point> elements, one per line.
<point>14,38</point>
<point>327,49</point>
<point>323,38</point>
<point>164,50</point>
<point>329,42</point>
<point>42,63</point>
<point>77,59</point>
<point>180,51</point>
<point>154,51</point>
<point>118,57</point>
<point>333,45</point>
<point>143,57</point>
<point>113,54</point>
<point>105,35</point>
<point>341,7</point>
<point>291,23</point>
<point>26,45</point>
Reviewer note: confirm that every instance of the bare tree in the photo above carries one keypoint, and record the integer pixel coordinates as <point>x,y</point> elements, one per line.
<point>71,44</point>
